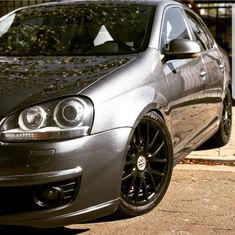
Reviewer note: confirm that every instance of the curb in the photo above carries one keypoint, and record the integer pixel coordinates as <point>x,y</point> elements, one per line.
<point>200,167</point>
<point>212,161</point>
<point>212,155</point>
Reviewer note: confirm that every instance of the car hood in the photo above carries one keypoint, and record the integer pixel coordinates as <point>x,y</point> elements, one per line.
<point>29,80</point>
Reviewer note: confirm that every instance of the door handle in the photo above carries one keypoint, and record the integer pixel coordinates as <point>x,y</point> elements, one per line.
<point>203,74</point>
<point>221,66</point>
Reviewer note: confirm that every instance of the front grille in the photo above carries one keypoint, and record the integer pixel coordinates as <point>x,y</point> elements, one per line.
<point>29,198</point>
<point>68,189</point>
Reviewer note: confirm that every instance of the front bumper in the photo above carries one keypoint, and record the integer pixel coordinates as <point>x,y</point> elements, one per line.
<point>93,162</point>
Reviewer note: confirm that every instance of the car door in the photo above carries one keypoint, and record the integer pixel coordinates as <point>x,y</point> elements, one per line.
<point>214,84</point>
<point>186,78</point>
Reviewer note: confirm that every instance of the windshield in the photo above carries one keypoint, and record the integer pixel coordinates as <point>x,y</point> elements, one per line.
<point>85,29</point>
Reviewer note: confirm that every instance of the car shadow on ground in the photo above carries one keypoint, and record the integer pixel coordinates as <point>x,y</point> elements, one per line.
<point>16,230</point>
<point>207,146</point>
<point>109,218</point>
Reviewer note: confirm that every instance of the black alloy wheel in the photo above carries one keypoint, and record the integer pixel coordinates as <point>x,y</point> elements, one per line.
<point>222,136</point>
<point>227,118</point>
<point>148,167</point>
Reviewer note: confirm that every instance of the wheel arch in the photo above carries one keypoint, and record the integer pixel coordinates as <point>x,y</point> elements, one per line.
<point>125,208</point>
<point>153,107</point>
<point>159,113</point>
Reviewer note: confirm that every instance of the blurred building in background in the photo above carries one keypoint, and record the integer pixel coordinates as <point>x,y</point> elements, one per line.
<point>10,5</point>
<point>217,14</point>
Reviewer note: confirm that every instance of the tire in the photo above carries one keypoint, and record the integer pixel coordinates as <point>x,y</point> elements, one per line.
<point>222,136</point>
<point>147,168</point>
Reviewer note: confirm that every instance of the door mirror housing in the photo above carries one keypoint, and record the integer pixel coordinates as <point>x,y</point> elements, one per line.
<point>182,49</point>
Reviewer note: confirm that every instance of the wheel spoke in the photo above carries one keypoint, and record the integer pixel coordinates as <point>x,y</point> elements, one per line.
<point>227,127</point>
<point>225,124</point>
<point>156,172</point>
<point>145,189</point>
<point>132,185</point>
<point>147,141</point>
<point>229,111</point>
<point>129,175</point>
<point>153,141</point>
<point>160,160</point>
<point>133,143</point>
<point>131,161</point>
<point>139,134</point>
<point>157,150</point>
<point>138,189</point>
<point>152,181</point>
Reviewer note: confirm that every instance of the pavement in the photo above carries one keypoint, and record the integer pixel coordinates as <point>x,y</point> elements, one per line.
<point>209,155</point>
<point>197,202</point>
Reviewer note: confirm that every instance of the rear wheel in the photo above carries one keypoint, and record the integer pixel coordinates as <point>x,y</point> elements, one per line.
<point>148,167</point>
<point>222,136</point>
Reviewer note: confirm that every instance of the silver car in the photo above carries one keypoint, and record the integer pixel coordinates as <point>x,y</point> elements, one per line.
<point>98,101</point>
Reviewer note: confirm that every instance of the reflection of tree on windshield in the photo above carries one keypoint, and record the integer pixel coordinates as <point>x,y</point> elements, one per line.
<point>76,29</point>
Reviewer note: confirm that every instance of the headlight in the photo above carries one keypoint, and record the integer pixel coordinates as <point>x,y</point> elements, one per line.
<point>70,113</point>
<point>32,118</point>
<point>61,119</point>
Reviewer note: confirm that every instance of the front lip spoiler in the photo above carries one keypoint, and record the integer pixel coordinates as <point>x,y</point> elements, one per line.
<point>88,210</point>
<point>38,178</point>
<point>79,216</point>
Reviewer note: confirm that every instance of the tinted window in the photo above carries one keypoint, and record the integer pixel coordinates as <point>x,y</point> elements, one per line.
<point>174,27</point>
<point>200,32</point>
<point>77,29</point>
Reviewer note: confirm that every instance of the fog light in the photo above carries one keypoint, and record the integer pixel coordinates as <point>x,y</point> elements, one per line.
<point>48,197</point>
<point>51,194</point>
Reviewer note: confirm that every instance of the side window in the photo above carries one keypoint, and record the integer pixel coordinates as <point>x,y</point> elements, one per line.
<point>174,26</point>
<point>200,32</point>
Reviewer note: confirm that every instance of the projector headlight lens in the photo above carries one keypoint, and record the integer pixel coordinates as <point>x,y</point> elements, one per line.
<point>32,118</point>
<point>70,113</point>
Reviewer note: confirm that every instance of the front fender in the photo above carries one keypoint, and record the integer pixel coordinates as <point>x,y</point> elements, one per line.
<point>123,97</point>
<point>127,110</point>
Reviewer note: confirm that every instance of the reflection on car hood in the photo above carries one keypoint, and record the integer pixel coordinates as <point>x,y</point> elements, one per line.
<point>26,81</point>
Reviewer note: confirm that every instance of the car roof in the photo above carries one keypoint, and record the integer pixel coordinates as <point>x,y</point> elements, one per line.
<point>161,3</point>
<point>145,2</point>
<point>153,2</point>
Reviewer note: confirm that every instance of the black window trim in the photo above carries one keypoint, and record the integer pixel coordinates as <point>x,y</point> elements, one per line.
<point>204,28</point>
<point>181,9</point>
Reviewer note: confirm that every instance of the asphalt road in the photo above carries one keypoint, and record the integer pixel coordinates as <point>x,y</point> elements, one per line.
<point>200,200</point>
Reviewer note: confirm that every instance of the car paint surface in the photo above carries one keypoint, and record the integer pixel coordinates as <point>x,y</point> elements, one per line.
<point>122,89</point>
<point>34,80</point>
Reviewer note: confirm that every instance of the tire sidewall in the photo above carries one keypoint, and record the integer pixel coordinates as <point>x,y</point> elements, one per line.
<point>130,210</point>
<point>221,138</point>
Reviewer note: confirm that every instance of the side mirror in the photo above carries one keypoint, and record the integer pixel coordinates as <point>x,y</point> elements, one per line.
<point>182,49</point>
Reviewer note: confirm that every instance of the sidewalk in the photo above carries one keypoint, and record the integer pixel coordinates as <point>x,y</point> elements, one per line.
<point>216,156</point>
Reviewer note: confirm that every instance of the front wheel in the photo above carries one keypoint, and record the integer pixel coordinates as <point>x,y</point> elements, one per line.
<point>147,168</point>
